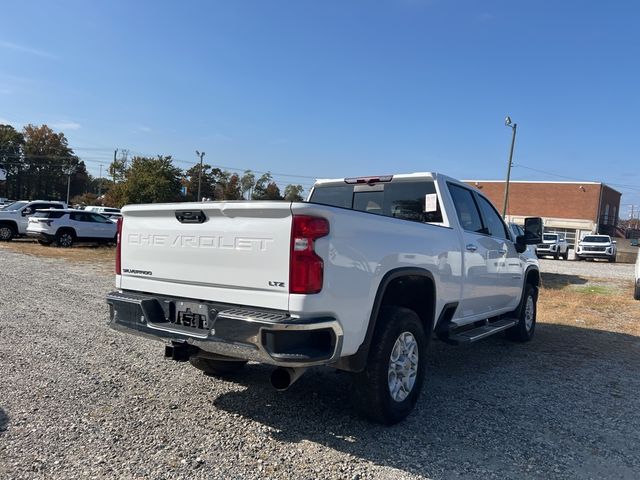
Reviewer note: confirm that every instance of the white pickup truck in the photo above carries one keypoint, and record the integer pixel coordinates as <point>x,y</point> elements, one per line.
<point>359,277</point>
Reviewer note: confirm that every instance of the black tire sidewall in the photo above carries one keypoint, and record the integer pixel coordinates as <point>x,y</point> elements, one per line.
<point>519,332</point>
<point>375,400</point>
<point>59,236</point>
<point>11,234</point>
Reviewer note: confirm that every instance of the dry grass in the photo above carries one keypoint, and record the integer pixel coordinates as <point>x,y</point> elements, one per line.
<point>594,303</point>
<point>100,257</point>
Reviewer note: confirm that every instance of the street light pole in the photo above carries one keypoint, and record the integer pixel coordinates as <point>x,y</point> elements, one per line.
<point>201,155</point>
<point>514,127</point>
<point>69,171</point>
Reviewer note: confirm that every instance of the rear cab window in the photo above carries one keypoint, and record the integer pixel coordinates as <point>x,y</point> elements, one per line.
<point>402,199</point>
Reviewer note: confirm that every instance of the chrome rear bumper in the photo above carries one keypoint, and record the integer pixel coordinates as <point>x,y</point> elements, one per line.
<point>239,332</point>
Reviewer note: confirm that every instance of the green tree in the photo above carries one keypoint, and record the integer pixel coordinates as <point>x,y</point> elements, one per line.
<point>209,178</point>
<point>147,180</point>
<point>272,192</point>
<point>47,156</point>
<point>232,189</point>
<point>11,145</point>
<point>247,182</point>
<point>260,190</point>
<point>293,193</point>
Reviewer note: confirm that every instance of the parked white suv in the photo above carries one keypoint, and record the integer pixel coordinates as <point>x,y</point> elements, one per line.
<point>64,227</point>
<point>597,246</point>
<point>554,245</point>
<point>14,218</point>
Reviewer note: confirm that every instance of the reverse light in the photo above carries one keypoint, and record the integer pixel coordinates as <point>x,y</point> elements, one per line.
<point>118,247</point>
<point>306,268</point>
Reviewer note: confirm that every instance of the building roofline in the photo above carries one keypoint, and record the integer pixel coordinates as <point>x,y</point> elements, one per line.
<point>536,181</point>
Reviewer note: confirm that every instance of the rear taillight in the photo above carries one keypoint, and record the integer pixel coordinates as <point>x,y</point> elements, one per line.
<point>305,266</point>
<point>119,247</point>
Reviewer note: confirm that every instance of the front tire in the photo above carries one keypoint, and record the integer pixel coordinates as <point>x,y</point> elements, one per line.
<point>387,390</point>
<point>524,329</point>
<point>7,232</point>
<point>636,292</point>
<point>612,259</point>
<point>565,255</point>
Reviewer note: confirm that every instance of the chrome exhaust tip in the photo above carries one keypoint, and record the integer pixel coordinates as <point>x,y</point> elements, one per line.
<point>283,377</point>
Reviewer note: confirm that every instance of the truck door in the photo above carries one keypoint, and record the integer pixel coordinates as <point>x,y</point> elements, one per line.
<point>477,247</point>
<point>503,260</point>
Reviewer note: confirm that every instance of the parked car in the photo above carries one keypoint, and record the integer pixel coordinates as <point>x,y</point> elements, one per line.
<point>103,210</point>
<point>597,246</point>
<point>553,245</point>
<point>14,218</point>
<point>65,227</point>
<point>636,291</point>
<point>359,277</point>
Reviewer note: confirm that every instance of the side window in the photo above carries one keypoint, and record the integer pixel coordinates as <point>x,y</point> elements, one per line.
<point>77,217</point>
<point>466,209</point>
<point>98,218</point>
<point>495,225</point>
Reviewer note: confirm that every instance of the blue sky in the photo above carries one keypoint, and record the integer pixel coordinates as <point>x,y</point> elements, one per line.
<point>336,88</point>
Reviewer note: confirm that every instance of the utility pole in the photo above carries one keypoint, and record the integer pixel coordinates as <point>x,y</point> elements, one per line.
<point>201,155</point>
<point>100,183</point>
<point>69,171</point>
<point>113,170</point>
<point>513,126</point>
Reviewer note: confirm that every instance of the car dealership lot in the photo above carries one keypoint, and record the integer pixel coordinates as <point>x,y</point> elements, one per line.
<point>80,400</point>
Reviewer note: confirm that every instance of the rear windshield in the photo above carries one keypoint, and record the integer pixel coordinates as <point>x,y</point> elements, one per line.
<point>594,239</point>
<point>404,200</point>
<point>548,236</point>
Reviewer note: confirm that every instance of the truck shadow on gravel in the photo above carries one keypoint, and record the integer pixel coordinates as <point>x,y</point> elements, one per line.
<point>558,281</point>
<point>4,420</point>
<point>537,409</point>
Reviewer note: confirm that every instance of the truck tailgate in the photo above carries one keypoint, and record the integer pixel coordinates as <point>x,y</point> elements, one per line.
<point>229,252</point>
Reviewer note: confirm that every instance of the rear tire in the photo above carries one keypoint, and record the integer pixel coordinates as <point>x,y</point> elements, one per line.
<point>636,292</point>
<point>7,232</point>
<point>65,239</point>
<point>525,328</point>
<point>388,388</point>
<point>217,368</point>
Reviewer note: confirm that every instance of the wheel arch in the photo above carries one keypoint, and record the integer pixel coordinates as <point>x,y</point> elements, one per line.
<point>410,287</point>
<point>66,229</point>
<point>11,223</point>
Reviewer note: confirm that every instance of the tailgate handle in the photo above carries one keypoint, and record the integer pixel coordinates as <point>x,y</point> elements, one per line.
<point>191,216</point>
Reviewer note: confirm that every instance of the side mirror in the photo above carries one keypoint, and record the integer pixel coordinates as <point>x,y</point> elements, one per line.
<point>614,241</point>
<point>532,234</point>
<point>26,211</point>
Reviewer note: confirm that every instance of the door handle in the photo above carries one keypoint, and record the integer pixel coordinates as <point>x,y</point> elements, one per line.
<point>471,247</point>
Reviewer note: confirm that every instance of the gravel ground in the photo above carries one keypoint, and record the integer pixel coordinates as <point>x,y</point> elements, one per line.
<point>598,269</point>
<point>78,400</point>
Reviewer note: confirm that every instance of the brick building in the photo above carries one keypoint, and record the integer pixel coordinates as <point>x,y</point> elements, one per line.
<point>572,208</point>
